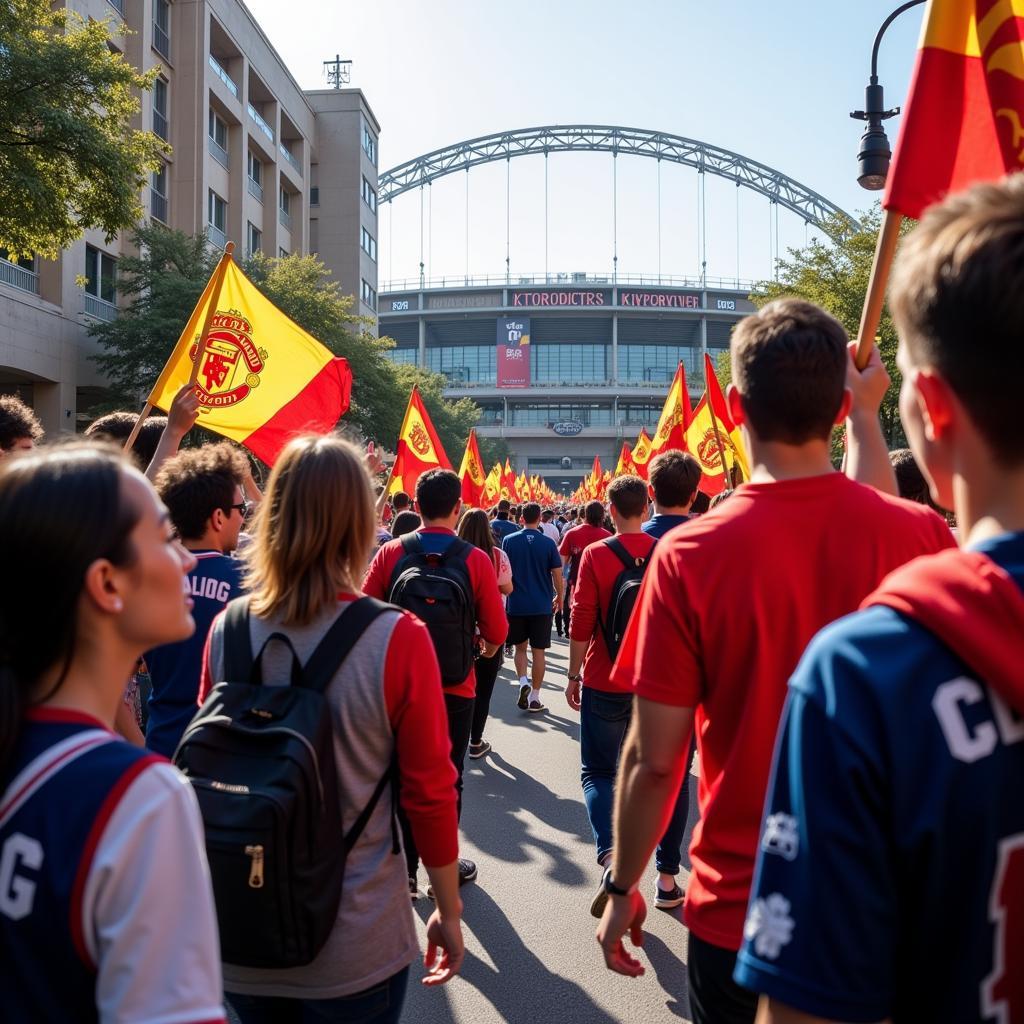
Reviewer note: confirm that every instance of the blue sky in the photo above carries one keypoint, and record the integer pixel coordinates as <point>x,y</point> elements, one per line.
<point>774,81</point>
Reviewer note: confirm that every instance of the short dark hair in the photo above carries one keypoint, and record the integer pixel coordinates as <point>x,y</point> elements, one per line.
<point>198,481</point>
<point>957,297</point>
<point>531,513</point>
<point>504,506</point>
<point>117,426</point>
<point>675,476</point>
<point>628,495</point>
<point>405,522</point>
<point>400,500</point>
<point>700,504</point>
<point>438,491</point>
<point>593,512</point>
<point>17,421</point>
<point>910,481</point>
<point>789,363</point>
<point>547,515</point>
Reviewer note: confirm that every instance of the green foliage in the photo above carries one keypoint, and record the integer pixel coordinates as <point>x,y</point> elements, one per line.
<point>834,274</point>
<point>69,158</point>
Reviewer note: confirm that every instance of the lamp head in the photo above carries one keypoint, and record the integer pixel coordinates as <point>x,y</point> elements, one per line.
<point>873,158</point>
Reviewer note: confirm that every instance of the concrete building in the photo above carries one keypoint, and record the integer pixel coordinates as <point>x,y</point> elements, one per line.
<point>255,160</point>
<point>600,358</point>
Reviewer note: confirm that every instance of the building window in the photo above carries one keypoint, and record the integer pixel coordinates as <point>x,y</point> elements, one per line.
<point>407,356</point>
<point>286,201</point>
<point>255,166</point>
<point>162,28</point>
<point>282,254</point>
<point>217,212</point>
<point>368,243</point>
<point>464,364</point>
<point>569,363</point>
<point>594,414</point>
<point>158,194</point>
<point>369,144</point>
<point>314,196</point>
<point>218,130</point>
<point>369,295</point>
<point>100,274</point>
<point>253,238</point>
<point>656,364</point>
<point>369,195</point>
<point>160,116</point>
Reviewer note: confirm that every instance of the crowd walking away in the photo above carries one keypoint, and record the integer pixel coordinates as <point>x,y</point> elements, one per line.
<point>239,752</point>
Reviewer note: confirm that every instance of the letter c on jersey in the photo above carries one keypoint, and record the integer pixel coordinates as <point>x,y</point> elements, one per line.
<point>17,893</point>
<point>964,744</point>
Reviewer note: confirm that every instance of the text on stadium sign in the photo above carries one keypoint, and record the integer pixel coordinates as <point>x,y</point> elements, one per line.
<point>567,428</point>
<point>663,300</point>
<point>560,298</point>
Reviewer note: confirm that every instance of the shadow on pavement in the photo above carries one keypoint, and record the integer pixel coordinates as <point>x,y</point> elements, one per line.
<point>671,973</point>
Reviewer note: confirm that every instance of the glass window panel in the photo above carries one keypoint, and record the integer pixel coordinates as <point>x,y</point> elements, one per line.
<point>657,363</point>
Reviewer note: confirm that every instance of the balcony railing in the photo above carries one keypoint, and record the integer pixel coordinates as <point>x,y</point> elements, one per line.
<point>287,154</point>
<point>263,126</point>
<point>285,218</point>
<point>218,152</point>
<point>219,71</point>
<point>100,308</point>
<point>255,188</point>
<point>161,42</point>
<point>19,277</point>
<point>118,6</point>
<point>568,280</point>
<point>160,126</point>
<point>158,206</point>
<point>216,236</point>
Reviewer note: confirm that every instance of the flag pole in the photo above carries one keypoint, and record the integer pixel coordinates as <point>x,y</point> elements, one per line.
<point>218,274</point>
<point>714,423</point>
<point>875,297</point>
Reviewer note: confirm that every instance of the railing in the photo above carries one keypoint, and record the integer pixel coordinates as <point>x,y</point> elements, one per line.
<point>216,236</point>
<point>287,154</point>
<point>285,217</point>
<point>218,152</point>
<point>160,126</point>
<point>100,308</point>
<point>161,41</point>
<point>118,6</point>
<point>219,71</point>
<point>158,206</point>
<point>567,281</point>
<point>263,126</point>
<point>19,277</point>
<point>254,187</point>
<point>639,385</point>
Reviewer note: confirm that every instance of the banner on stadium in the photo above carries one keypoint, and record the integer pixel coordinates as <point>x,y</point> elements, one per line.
<point>513,352</point>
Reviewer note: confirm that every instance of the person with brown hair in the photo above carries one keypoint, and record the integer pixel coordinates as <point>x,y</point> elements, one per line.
<point>889,878</point>
<point>821,543</point>
<point>674,478</point>
<point>20,429</point>
<point>202,489</point>
<point>314,532</point>
<point>588,530</point>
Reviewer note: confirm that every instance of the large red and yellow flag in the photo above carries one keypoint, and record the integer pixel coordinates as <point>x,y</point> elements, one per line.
<point>625,465</point>
<point>471,472</point>
<point>492,487</point>
<point>642,453</point>
<point>675,416</point>
<point>419,447</point>
<point>261,378</point>
<point>964,117</point>
<point>508,481</point>
<point>731,436</point>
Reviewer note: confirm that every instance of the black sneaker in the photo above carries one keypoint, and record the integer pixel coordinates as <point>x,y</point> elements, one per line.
<point>467,873</point>
<point>480,749</point>
<point>524,696</point>
<point>599,902</point>
<point>666,900</point>
<point>536,707</point>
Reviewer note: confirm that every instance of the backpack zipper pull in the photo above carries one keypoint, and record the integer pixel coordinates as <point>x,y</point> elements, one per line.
<point>256,870</point>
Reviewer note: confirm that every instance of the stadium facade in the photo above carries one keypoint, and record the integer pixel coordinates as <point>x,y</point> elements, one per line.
<point>564,367</point>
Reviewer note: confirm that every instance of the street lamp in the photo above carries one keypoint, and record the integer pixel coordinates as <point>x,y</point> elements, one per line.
<point>874,155</point>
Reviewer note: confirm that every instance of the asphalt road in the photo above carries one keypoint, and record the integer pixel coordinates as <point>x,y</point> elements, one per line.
<point>531,956</point>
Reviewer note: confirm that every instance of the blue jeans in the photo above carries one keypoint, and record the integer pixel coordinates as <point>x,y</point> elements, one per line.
<point>381,1004</point>
<point>604,719</point>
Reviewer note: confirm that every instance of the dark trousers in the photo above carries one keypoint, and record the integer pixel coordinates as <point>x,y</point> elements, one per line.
<point>460,721</point>
<point>714,997</point>
<point>604,721</point>
<point>486,673</point>
<point>562,615</point>
<point>381,1004</point>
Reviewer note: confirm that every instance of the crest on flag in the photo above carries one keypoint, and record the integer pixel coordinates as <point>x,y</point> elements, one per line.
<point>231,364</point>
<point>419,439</point>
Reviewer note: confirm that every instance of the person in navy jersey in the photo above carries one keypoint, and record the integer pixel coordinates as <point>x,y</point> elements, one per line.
<point>106,912</point>
<point>502,526</point>
<point>202,488</point>
<point>537,594</point>
<point>890,879</point>
<point>674,477</point>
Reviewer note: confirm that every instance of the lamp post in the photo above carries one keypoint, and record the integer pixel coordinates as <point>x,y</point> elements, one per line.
<point>874,154</point>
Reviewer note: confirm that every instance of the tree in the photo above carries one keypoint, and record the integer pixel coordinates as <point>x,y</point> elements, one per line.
<point>834,274</point>
<point>69,158</point>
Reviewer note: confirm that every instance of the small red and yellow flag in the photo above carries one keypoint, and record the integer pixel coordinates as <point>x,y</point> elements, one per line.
<point>963,121</point>
<point>492,486</point>
<point>625,465</point>
<point>642,453</point>
<point>675,416</point>
<point>731,436</point>
<point>471,472</point>
<point>419,447</point>
<point>261,379</point>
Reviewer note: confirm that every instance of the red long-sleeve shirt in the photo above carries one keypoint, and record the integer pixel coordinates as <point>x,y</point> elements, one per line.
<point>598,570</point>
<point>490,612</point>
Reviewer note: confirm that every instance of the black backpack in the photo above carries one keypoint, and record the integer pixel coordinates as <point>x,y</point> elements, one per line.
<point>261,760</point>
<point>625,590</point>
<point>437,589</point>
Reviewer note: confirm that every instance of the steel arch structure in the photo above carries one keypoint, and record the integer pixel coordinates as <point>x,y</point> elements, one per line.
<point>589,138</point>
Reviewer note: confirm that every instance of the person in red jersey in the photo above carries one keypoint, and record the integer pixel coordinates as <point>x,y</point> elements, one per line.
<point>575,540</point>
<point>439,499</point>
<point>727,607</point>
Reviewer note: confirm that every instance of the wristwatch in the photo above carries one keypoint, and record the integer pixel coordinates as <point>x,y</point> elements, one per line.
<point>611,888</point>
<point>573,679</point>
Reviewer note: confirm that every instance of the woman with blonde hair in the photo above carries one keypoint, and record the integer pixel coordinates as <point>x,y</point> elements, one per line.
<point>313,536</point>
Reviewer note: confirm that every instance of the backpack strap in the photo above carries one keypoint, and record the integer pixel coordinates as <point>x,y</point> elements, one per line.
<point>389,778</point>
<point>411,544</point>
<point>339,640</point>
<point>238,660</point>
<point>458,549</point>
<point>629,561</point>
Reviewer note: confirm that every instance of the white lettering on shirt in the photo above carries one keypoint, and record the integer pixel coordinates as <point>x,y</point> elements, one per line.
<point>17,893</point>
<point>214,589</point>
<point>969,743</point>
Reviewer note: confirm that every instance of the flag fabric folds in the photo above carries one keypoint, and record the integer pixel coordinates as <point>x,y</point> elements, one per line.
<point>419,448</point>
<point>261,378</point>
<point>963,121</point>
<point>731,436</point>
<point>625,465</point>
<point>492,487</point>
<point>675,416</point>
<point>471,472</point>
<point>642,453</point>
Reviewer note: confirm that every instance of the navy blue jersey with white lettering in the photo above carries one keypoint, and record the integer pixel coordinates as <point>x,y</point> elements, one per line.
<point>890,878</point>
<point>175,668</point>
<point>91,830</point>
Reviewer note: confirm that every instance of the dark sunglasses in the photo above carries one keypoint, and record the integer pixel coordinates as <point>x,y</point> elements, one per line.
<point>243,507</point>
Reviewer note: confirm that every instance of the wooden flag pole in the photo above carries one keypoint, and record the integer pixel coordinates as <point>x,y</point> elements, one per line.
<point>222,267</point>
<point>873,301</point>
<point>382,500</point>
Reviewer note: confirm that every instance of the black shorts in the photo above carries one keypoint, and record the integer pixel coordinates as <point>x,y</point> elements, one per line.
<point>535,628</point>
